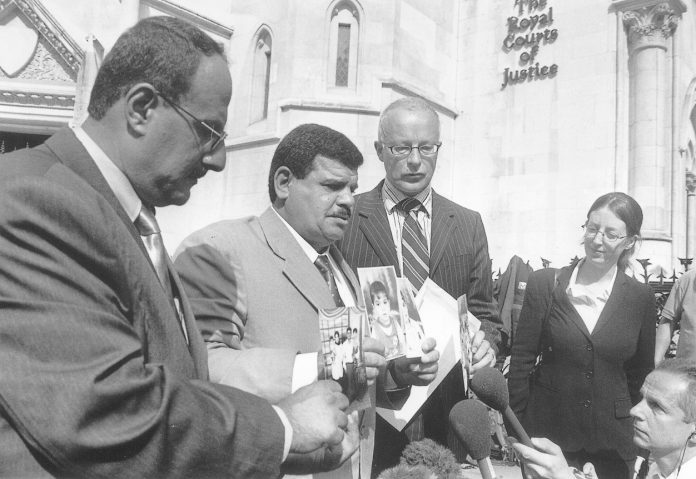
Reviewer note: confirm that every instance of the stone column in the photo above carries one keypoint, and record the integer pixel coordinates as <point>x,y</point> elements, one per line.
<point>690,214</point>
<point>649,25</point>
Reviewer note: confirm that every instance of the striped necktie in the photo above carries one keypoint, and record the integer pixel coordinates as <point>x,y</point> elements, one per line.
<point>414,246</point>
<point>324,267</point>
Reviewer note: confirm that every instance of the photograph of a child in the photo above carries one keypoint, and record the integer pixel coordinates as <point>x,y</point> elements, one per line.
<point>342,348</point>
<point>413,326</point>
<point>381,294</point>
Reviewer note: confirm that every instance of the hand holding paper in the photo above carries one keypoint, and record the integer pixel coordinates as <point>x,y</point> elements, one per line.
<point>483,354</point>
<point>422,372</point>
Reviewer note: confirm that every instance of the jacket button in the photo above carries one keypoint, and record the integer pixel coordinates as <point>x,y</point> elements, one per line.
<point>588,347</point>
<point>589,374</point>
<point>587,403</point>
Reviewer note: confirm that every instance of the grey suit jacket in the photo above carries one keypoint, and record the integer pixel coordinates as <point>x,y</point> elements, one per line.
<point>98,380</point>
<point>255,295</point>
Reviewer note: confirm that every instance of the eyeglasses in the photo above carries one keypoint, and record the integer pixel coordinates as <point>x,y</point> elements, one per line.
<point>216,138</point>
<point>403,150</point>
<point>607,236</point>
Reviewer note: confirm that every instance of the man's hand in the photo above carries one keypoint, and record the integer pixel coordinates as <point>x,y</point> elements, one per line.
<point>316,413</point>
<point>547,461</point>
<point>325,458</point>
<point>483,354</point>
<point>374,358</point>
<point>420,373</point>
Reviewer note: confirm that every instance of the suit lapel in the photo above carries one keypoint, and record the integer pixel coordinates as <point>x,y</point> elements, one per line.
<point>374,225</point>
<point>614,303</point>
<point>347,271</point>
<point>196,345</point>
<point>561,298</point>
<point>441,230</point>
<point>72,154</point>
<point>297,268</point>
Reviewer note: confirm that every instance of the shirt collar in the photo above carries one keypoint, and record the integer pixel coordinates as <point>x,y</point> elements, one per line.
<point>600,290</point>
<point>391,197</point>
<point>306,247</point>
<point>117,181</point>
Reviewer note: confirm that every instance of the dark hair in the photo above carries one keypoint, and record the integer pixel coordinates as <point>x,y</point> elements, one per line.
<point>377,287</point>
<point>162,51</point>
<point>302,144</point>
<point>685,370</point>
<point>627,210</point>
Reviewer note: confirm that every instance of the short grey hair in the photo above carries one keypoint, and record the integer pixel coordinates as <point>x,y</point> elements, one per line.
<point>408,103</point>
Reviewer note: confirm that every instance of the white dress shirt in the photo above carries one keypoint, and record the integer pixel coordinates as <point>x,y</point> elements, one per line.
<point>589,299</point>
<point>687,471</point>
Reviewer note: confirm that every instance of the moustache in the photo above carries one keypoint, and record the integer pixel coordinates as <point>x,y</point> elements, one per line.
<point>343,214</point>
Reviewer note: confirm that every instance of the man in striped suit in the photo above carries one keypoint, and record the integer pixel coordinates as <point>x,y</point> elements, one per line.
<point>404,223</point>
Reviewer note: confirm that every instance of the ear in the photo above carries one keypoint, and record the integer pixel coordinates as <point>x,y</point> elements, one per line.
<point>379,147</point>
<point>631,241</point>
<point>281,182</point>
<point>141,102</point>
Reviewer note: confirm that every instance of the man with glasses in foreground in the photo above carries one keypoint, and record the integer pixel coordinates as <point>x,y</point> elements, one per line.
<point>664,423</point>
<point>104,373</point>
<point>404,223</point>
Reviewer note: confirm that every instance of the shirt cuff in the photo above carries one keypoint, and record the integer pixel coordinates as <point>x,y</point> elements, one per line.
<point>304,371</point>
<point>288,431</point>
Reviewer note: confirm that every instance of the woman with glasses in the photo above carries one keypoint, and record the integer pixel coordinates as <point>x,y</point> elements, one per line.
<point>584,344</point>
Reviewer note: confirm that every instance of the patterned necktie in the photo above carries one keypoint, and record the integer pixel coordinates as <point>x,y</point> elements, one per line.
<point>322,264</point>
<point>414,246</point>
<point>152,238</point>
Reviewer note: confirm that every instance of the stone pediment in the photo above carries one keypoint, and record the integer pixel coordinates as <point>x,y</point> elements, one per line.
<point>42,56</point>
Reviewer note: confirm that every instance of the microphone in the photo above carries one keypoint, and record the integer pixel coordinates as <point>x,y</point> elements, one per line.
<point>489,386</point>
<point>470,422</point>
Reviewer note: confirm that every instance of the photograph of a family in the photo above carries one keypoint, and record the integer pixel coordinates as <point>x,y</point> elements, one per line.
<point>341,339</point>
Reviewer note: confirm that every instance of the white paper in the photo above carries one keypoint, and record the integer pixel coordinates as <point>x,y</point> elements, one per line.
<point>439,313</point>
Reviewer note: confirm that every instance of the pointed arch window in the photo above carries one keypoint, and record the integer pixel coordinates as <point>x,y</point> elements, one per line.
<point>261,77</point>
<point>343,45</point>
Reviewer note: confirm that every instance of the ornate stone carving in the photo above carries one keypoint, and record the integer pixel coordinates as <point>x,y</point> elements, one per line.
<point>690,183</point>
<point>650,26</point>
<point>49,29</point>
<point>62,102</point>
<point>44,66</point>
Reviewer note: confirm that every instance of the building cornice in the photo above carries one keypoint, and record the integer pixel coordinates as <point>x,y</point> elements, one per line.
<point>195,18</point>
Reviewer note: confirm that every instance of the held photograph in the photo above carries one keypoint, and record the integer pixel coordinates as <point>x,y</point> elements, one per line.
<point>341,340</point>
<point>380,290</point>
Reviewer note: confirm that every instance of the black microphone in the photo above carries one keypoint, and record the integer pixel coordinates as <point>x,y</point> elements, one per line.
<point>470,422</point>
<point>489,386</point>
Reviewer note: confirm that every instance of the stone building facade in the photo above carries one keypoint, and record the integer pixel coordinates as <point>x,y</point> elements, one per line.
<point>545,104</point>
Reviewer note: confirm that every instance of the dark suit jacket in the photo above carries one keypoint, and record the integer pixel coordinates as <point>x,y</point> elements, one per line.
<point>98,380</point>
<point>587,383</point>
<point>459,263</point>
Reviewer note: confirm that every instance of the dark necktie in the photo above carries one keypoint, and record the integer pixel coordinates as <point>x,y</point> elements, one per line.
<point>414,246</point>
<point>322,264</point>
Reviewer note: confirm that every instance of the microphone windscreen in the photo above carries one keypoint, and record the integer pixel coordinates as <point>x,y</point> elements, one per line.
<point>471,424</point>
<point>489,386</point>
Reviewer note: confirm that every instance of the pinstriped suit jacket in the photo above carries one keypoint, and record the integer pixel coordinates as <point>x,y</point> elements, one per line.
<point>459,261</point>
